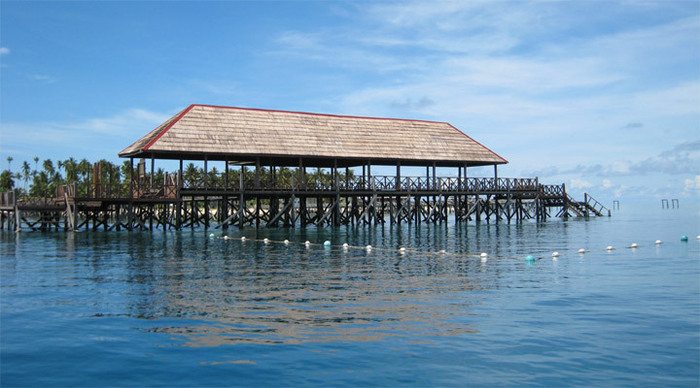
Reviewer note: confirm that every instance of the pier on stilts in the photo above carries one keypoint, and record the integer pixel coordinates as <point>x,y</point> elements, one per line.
<point>266,178</point>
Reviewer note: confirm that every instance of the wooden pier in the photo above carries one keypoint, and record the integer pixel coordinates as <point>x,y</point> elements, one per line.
<point>264,181</point>
<point>358,201</point>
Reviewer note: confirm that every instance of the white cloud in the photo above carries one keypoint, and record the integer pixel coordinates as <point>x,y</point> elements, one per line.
<point>580,184</point>
<point>692,184</point>
<point>102,135</point>
<point>4,50</point>
<point>42,78</point>
<point>606,184</point>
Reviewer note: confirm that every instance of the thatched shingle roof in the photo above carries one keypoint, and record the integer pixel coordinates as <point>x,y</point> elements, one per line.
<point>228,133</point>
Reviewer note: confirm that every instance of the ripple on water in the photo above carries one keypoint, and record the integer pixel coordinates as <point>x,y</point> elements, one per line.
<point>182,309</point>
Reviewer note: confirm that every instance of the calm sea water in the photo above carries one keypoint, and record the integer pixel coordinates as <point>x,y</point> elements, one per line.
<point>181,309</point>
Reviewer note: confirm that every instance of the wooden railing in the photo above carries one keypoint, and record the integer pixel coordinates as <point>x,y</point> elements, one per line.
<point>374,183</point>
<point>597,207</point>
<point>552,191</point>
<point>7,199</point>
<point>145,188</point>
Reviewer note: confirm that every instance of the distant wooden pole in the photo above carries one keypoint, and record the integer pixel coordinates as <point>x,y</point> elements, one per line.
<point>241,200</point>
<point>398,175</point>
<point>178,197</point>
<point>302,199</point>
<point>336,187</point>
<point>226,174</point>
<point>369,173</point>
<point>397,219</point>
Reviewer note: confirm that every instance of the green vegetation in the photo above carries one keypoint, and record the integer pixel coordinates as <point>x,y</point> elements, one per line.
<point>42,178</point>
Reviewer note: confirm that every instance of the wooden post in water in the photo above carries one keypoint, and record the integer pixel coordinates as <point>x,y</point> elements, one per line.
<point>241,197</point>
<point>178,197</point>
<point>398,195</point>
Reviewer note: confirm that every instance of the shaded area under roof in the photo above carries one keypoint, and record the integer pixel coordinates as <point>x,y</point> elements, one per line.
<point>283,137</point>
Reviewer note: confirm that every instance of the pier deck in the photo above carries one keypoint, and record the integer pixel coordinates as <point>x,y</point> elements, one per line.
<point>321,202</point>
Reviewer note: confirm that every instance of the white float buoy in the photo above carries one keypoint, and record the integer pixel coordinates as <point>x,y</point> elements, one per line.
<point>609,248</point>
<point>307,243</point>
<point>581,250</point>
<point>698,237</point>
<point>226,237</point>
<point>345,245</point>
<point>402,249</point>
<point>211,235</point>
<point>484,254</point>
<point>555,254</point>
<point>266,240</point>
<point>442,251</point>
<point>243,238</point>
<point>633,245</point>
<point>368,247</point>
<point>286,242</point>
<point>658,242</point>
<point>326,243</point>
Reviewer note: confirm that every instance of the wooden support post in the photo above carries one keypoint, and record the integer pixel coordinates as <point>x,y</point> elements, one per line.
<point>565,202</point>
<point>417,209</point>
<point>398,196</point>
<point>226,171</point>
<point>336,187</point>
<point>257,196</point>
<point>369,174</point>
<point>466,178</point>
<point>241,200</point>
<point>222,211</point>
<point>364,177</point>
<point>302,198</point>
<point>347,178</point>
<point>257,211</point>
<point>130,217</point>
<point>433,207</point>
<point>178,197</point>
<point>427,177</point>
<point>495,196</point>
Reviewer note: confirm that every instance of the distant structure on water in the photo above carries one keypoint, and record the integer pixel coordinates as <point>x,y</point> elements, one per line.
<point>263,179</point>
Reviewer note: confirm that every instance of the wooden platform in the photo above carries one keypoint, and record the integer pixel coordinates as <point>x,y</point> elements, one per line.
<point>321,202</point>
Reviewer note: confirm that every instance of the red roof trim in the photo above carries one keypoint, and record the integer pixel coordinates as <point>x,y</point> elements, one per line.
<point>158,136</point>
<point>468,137</point>
<point>318,114</point>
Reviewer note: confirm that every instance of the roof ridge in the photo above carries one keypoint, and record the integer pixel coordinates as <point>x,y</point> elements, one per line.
<point>318,114</point>
<point>167,128</point>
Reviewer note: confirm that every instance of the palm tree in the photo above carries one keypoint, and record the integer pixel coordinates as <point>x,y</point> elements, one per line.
<point>26,173</point>
<point>6,181</point>
<point>9,163</point>
<point>70,166</point>
<point>83,169</point>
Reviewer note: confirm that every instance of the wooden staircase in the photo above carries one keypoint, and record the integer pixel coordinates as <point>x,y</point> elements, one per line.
<point>586,207</point>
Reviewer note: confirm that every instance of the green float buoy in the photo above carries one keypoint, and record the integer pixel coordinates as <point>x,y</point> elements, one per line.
<point>684,238</point>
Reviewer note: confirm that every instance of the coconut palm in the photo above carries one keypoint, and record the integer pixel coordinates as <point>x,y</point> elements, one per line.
<point>26,173</point>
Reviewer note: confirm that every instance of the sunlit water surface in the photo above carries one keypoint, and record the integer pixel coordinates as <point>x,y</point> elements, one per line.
<point>180,308</point>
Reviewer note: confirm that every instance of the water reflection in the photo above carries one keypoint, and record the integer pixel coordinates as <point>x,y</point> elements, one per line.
<point>211,292</point>
<point>236,292</point>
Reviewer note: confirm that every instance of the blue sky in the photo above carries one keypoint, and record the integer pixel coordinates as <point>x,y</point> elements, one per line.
<point>604,96</point>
